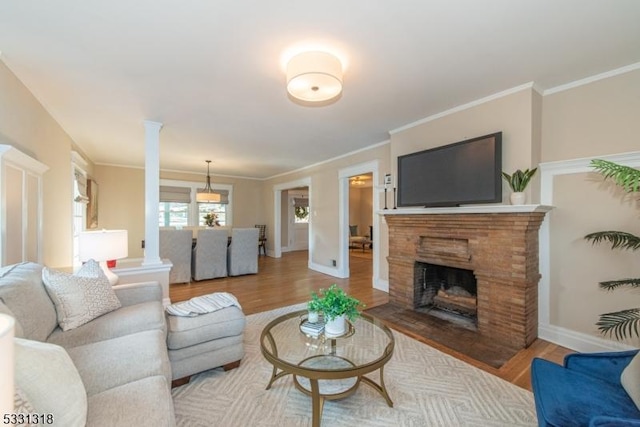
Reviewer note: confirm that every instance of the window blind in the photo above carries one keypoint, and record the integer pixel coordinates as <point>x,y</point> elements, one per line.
<point>175,194</point>
<point>80,187</point>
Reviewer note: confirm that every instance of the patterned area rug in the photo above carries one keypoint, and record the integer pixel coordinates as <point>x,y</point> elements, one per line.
<point>428,388</point>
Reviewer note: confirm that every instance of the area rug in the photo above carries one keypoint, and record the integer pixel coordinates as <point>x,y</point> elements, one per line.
<point>428,388</point>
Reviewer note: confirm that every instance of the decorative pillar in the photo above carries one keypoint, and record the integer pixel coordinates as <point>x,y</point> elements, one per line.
<point>152,193</point>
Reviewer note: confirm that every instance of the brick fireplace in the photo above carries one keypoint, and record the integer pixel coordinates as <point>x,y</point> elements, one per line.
<point>500,246</point>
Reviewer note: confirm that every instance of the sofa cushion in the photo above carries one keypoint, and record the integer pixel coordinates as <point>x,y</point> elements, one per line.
<point>146,402</point>
<point>123,321</point>
<point>630,380</point>
<point>187,331</point>
<point>21,290</point>
<point>50,382</point>
<point>568,398</point>
<point>107,364</point>
<point>82,297</point>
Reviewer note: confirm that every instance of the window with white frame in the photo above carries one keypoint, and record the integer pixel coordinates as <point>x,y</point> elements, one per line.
<point>179,208</point>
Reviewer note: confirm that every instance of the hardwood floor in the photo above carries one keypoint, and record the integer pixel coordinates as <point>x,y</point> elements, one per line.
<point>286,281</point>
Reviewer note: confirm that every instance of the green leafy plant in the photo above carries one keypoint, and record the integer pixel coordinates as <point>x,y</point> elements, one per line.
<point>334,302</point>
<point>211,219</point>
<point>301,212</point>
<point>315,304</point>
<point>519,180</point>
<point>624,323</point>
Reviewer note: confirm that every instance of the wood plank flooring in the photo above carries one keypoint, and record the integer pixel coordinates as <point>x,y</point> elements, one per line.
<point>286,281</point>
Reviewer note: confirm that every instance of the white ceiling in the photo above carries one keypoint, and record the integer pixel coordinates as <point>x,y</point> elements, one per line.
<point>212,71</point>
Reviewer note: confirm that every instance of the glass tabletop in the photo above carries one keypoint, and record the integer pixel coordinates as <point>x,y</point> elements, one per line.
<point>367,342</point>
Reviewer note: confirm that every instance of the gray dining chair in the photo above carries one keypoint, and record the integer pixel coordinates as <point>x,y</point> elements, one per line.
<point>176,246</point>
<point>209,259</point>
<point>243,251</point>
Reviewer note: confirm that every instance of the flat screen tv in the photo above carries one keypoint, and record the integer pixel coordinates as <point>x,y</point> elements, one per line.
<point>465,172</point>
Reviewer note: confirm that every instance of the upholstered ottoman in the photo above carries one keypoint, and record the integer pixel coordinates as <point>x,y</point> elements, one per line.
<point>205,341</point>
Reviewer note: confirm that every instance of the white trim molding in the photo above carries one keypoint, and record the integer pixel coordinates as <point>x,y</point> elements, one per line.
<point>277,216</point>
<point>562,336</point>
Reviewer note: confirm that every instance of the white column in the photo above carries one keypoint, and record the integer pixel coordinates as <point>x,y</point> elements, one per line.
<point>152,193</point>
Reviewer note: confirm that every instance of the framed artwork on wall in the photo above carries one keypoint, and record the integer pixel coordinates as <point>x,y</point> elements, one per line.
<point>92,206</point>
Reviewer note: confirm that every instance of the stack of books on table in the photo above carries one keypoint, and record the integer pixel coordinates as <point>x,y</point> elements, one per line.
<point>312,329</point>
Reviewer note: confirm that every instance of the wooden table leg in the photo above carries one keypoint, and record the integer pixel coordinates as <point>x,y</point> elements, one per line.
<point>317,403</point>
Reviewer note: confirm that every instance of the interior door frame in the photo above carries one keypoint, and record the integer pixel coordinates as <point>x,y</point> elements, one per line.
<point>277,214</point>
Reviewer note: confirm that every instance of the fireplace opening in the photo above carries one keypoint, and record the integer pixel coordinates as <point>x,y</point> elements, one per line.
<point>446,292</point>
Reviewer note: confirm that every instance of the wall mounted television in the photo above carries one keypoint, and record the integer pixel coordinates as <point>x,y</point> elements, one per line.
<point>464,172</point>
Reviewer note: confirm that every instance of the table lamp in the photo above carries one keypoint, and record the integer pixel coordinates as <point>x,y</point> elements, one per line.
<point>7,366</point>
<point>104,246</point>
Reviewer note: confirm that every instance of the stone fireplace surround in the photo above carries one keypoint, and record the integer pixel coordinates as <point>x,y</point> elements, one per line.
<point>499,243</point>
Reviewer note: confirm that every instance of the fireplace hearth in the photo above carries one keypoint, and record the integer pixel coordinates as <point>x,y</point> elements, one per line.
<point>498,250</point>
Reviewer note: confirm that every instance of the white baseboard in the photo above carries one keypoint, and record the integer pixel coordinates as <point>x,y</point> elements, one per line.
<point>578,341</point>
<point>381,285</point>
<point>331,271</point>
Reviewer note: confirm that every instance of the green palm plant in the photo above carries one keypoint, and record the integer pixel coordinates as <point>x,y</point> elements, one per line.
<point>519,180</point>
<point>624,323</point>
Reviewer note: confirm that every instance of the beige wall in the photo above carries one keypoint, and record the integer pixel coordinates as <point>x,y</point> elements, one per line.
<point>512,114</point>
<point>121,203</point>
<point>584,203</point>
<point>26,125</point>
<point>592,120</point>
<point>588,121</point>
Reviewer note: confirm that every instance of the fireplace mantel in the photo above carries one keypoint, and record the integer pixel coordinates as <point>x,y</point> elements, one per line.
<point>469,209</point>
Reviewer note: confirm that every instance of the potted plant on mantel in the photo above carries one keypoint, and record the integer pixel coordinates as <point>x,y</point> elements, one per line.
<point>336,306</point>
<point>518,182</point>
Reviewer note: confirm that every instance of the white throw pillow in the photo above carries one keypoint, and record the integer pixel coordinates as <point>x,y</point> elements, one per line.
<point>82,297</point>
<point>49,381</point>
<point>630,379</point>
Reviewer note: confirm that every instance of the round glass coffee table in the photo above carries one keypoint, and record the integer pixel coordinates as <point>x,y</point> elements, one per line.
<point>327,368</point>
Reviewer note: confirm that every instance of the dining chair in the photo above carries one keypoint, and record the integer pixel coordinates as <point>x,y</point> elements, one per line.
<point>262,238</point>
<point>176,246</point>
<point>243,251</point>
<point>209,258</point>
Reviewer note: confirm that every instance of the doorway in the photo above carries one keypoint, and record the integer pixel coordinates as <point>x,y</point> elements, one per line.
<point>361,216</point>
<point>345,176</point>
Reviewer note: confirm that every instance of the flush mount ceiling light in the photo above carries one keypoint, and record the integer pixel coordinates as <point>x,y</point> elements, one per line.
<point>358,181</point>
<point>207,195</point>
<point>314,76</point>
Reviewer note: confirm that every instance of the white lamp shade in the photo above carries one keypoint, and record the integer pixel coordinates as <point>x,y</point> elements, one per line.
<point>207,197</point>
<point>314,76</point>
<point>103,245</point>
<point>7,366</point>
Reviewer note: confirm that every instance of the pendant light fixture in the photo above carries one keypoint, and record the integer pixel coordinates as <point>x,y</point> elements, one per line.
<point>206,195</point>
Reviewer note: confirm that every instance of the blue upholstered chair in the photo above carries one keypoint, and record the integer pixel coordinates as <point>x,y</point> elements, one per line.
<point>585,391</point>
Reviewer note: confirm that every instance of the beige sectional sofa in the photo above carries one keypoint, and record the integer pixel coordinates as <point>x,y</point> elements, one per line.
<point>118,360</point>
